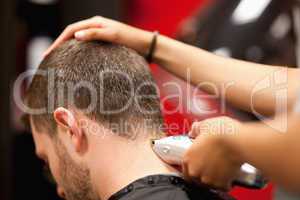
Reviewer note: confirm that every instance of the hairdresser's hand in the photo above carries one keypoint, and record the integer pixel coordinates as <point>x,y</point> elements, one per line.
<point>212,160</point>
<point>100,28</point>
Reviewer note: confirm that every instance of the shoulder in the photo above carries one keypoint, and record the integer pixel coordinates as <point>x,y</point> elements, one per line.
<point>167,188</point>
<point>171,192</point>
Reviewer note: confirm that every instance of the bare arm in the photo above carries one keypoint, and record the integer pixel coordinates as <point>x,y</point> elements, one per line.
<point>179,58</point>
<point>276,154</point>
<point>243,77</point>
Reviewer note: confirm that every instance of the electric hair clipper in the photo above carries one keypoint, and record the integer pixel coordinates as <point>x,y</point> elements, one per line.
<point>171,150</point>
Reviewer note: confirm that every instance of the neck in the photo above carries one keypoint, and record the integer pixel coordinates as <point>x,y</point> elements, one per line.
<point>128,161</point>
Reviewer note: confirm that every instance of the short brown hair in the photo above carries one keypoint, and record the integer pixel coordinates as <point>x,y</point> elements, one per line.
<point>75,62</point>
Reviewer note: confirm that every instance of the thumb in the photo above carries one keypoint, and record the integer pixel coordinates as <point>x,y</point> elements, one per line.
<point>195,130</point>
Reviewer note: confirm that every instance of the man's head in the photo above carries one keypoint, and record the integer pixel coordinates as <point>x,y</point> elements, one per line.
<point>88,90</point>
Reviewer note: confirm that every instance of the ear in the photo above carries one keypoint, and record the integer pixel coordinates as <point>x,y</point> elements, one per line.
<point>65,119</point>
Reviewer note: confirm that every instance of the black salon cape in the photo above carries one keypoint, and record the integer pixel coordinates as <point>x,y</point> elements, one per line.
<point>166,187</point>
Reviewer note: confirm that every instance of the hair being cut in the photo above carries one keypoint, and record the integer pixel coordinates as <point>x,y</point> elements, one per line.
<point>110,83</point>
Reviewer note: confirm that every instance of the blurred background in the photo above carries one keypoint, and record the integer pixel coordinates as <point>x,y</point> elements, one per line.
<point>263,31</point>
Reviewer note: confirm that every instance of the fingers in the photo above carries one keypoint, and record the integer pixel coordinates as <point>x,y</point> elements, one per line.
<point>220,179</point>
<point>218,125</point>
<point>186,172</point>
<point>104,34</point>
<point>197,128</point>
<point>206,160</point>
<point>71,29</point>
<point>194,130</point>
<point>207,177</point>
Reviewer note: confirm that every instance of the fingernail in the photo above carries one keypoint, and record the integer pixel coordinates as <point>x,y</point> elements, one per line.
<point>80,34</point>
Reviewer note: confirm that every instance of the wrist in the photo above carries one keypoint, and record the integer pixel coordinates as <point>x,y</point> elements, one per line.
<point>152,47</point>
<point>162,46</point>
<point>142,40</point>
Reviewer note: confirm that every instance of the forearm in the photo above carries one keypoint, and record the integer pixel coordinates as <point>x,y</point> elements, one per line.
<point>276,154</point>
<point>238,79</point>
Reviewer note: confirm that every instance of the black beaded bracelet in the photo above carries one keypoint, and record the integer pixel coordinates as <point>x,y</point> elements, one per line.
<point>152,48</point>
